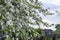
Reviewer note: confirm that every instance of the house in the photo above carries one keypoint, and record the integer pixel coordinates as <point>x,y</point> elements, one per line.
<point>48,32</point>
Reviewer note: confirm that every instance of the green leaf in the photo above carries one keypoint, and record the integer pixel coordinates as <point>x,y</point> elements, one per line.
<point>37,23</point>
<point>43,10</point>
<point>3,17</point>
<point>8,38</point>
<point>36,7</point>
<point>36,1</point>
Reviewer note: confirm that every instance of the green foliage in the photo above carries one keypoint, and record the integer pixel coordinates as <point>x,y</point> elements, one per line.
<point>2,2</point>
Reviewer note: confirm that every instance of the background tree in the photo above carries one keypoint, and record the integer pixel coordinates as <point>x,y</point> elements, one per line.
<point>57,28</point>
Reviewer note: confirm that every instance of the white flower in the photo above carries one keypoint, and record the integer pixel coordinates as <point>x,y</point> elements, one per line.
<point>9,22</point>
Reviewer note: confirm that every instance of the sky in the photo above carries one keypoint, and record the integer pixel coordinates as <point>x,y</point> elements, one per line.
<point>54,6</point>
